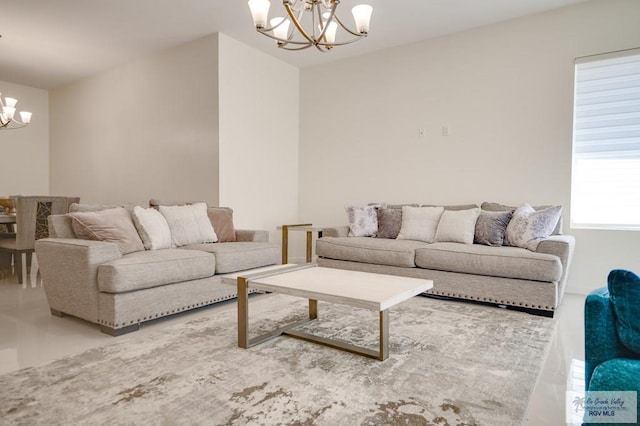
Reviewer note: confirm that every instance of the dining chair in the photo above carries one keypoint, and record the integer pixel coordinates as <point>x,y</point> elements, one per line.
<point>32,213</point>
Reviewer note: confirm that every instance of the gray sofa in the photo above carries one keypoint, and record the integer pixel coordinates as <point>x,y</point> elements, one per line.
<point>92,280</point>
<point>532,281</point>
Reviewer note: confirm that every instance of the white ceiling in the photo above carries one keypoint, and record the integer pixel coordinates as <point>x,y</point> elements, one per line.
<point>49,43</point>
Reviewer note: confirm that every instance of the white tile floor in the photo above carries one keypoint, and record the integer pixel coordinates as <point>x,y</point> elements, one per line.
<point>31,336</point>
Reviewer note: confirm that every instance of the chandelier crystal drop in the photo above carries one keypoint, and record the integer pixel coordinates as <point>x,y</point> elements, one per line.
<point>8,118</point>
<point>310,23</point>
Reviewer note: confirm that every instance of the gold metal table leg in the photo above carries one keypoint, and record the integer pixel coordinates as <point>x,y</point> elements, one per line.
<point>309,246</point>
<point>243,313</point>
<point>313,309</point>
<point>285,244</point>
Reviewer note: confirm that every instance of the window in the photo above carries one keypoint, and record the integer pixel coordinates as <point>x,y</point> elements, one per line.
<point>605,187</point>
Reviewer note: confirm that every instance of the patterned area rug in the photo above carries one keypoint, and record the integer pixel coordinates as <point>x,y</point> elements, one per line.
<point>450,363</point>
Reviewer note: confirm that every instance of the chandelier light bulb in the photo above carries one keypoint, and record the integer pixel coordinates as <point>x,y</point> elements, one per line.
<point>330,34</point>
<point>362,17</point>
<point>280,27</point>
<point>8,112</point>
<point>259,12</point>
<point>10,102</point>
<point>25,116</point>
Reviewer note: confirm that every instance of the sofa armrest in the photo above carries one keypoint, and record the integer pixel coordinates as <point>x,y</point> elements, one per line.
<point>69,269</point>
<point>562,246</point>
<point>251,235</point>
<point>601,341</point>
<point>336,231</point>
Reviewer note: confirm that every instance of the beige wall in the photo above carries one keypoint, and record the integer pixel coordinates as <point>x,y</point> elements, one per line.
<point>505,91</point>
<point>147,129</point>
<point>25,152</point>
<point>259,98</point>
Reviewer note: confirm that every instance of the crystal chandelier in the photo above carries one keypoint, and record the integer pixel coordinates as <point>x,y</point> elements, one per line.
<point>317,16</point>
<point>7,115</point>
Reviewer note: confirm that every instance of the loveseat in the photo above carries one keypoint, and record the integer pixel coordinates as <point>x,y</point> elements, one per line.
<point>120,267</point>
<point>464,249</point>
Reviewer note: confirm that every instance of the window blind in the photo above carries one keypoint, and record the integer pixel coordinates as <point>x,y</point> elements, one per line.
<point>606,142</point>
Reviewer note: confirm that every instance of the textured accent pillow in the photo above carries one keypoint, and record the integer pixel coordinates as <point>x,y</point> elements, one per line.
<point>152,227</point>
<point>528,226</point>
<point>457,226</point>
<point>491,227</point>
<point>497,207</point>
<point>189,224</point>
<point>112,225</point>
<point>419,223</point>
<point>363,220</point>
<point>389,222</point>
<point>222,220</point>
<point>624,290</point>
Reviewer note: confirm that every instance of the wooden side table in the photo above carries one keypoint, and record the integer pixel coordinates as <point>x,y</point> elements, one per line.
<point>305,227</point>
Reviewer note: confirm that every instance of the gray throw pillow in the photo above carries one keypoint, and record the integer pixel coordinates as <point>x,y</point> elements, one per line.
<point>491,227</point>
<point>389,223</point>
<point>497,207</point>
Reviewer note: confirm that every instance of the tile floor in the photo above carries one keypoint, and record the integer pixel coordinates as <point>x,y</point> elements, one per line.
<point>30,336</point>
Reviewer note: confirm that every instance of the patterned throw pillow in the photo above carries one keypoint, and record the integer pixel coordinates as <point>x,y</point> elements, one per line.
<point>420,223</point>
<point>528,226</point>
<point>363,221</point>
<point>491,227</point>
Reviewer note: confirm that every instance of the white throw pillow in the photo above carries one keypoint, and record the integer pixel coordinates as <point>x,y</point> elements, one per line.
<point>457,226</point>
<point>528,226</point>
<point>363,221</point>
<point>419,223</point>
<point>152,228</point>
<point>189,224</point>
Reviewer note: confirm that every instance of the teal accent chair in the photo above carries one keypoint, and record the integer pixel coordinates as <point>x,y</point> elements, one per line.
<point>612,335</point>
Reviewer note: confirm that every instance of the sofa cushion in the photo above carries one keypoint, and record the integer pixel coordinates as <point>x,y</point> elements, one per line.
<point>370,250</point>
<point>238,256</point>
<point>507,262</point>
<point>624,288</point>
<point>154,268</point>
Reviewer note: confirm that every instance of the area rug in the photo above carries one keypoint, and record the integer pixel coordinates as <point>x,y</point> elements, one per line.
<point>450,363</point>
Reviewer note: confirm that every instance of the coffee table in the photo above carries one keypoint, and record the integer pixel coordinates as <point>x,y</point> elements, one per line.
<point>352,288</point>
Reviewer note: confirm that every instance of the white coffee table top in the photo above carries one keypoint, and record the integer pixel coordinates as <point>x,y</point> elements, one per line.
<point>353,288</point>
